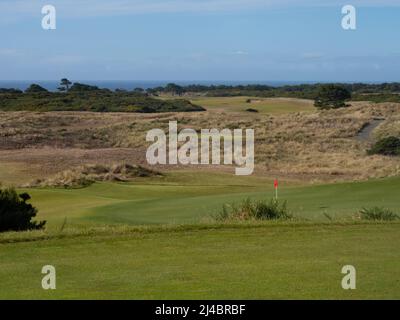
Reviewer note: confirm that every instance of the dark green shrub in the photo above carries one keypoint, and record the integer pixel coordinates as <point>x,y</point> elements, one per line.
<point>254,210</point>
<point>34,88</point>
<point>331,96</point>
<point>15,213</point>
<point>252,110</point>
<point>378,214</point>
<point>389,146</point>
<point>80,87</point>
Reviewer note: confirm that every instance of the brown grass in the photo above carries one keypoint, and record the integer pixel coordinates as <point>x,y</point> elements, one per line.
<point>311,146</point>
<point>88,174</point>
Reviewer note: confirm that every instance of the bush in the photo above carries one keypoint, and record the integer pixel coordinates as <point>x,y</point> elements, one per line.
<point>252,110</point>
<point>33,88</point>
<point>15,213</point>
<point>331,96</point>
<point>378,214</point>
<point>254,210</point>
<point>387,146</point>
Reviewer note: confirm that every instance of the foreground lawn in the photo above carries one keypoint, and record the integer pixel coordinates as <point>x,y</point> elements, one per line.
<point>265,261</point>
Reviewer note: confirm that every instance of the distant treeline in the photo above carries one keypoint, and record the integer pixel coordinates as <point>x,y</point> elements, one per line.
<point>359,91</point>
<point>82,97</point>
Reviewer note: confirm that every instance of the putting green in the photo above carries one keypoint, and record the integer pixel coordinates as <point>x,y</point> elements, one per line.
<point>179,198</point>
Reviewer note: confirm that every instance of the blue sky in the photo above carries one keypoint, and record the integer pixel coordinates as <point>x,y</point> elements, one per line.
<point>246,40</point>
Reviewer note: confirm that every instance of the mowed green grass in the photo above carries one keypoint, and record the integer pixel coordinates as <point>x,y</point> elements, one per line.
<point>180,256</point>
<point>277,261</point>
<point>178,197</point>
<point>192,197</point>
<point>263,105</point>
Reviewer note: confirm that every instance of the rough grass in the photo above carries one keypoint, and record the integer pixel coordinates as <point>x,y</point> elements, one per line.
<point>250,209</point>
<point>313,146</point>
<point>86,175</point>
<point>378,214</point>
<point>391,127</point>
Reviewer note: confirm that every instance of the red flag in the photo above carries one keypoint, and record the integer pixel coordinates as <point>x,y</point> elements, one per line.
<point>276,184</point>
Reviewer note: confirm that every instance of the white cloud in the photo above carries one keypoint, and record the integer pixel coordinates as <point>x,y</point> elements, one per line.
<point>240,53</point>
